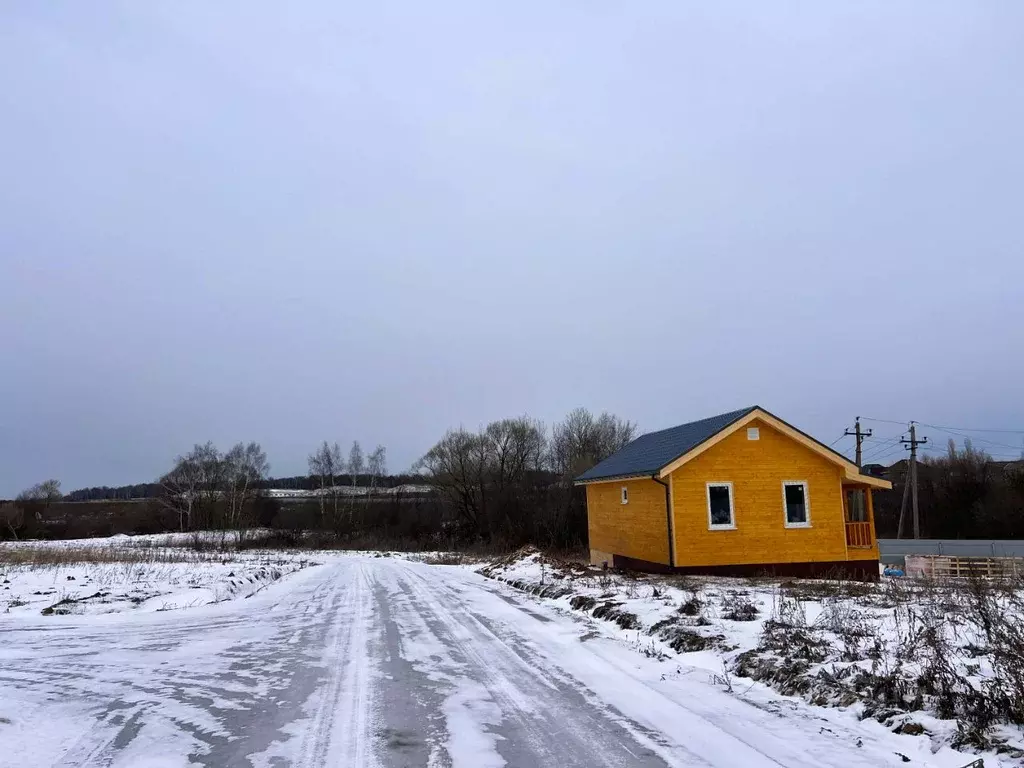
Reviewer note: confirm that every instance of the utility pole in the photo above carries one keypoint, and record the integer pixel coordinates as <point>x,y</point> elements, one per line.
<point>860,438</point>
<point>913,442</point>
<point>903,505</point>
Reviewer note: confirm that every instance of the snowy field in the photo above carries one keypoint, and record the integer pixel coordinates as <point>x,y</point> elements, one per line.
<point>142,574</point>
<point>349,490</point>
<point>912,657</point>
<point>371,660</point>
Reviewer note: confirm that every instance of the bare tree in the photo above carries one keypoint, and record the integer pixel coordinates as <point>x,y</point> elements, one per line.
<point>515,453</point>
<point>454,467</point>
<point>245,467</point>
<point>47,491</point>
<point>12,516</point>
<point>193,486</point>
<point>581,441</point>
<point>377,465</point>
<point>324,467</point>
<point>321,473</point>
<point>37,499</point>
<point>181,487</point>
<point>515,447</point>
<point>356,463</point>
<point>495,481</point>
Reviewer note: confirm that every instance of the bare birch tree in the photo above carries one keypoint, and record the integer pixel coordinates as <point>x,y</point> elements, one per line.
<point>377,466</point>
<point>245,467</point>
<point>356,463</point>
<point>181,488</point>
<point>193,486</point>
<point>325,465</point>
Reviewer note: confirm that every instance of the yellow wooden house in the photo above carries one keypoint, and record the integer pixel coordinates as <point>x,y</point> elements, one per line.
<point>739,493</point>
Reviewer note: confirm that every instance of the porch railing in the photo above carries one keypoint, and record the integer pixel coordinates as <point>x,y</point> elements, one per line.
<point>859,535</point>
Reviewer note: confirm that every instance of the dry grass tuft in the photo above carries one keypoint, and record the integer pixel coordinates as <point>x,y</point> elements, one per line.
<point>37,556</point>
<point>448,558</point>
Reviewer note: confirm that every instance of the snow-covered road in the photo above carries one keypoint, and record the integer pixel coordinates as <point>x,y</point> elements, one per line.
<point>378,662</point>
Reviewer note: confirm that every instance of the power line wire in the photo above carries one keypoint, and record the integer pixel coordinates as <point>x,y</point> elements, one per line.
<point>882,448</point>
<point>874,457</point>
<point>938,426</point>
<point>884,421</point>
<point>975,429</point>
<point>879,441</point>
<point>883,457</point>
<point>880,456</point>
<point>949,431</point>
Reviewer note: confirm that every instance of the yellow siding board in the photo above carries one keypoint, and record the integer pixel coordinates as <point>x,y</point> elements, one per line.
<point>757,469</point>
<point>638,529</point>
<point>863,553</point>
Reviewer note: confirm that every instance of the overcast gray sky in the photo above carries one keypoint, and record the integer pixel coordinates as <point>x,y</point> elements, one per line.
<point>290,222</point>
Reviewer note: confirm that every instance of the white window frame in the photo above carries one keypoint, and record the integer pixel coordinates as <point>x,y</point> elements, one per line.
<point>732,506</point>
<point>807,504</point>
<point>753,433</point>
<point>624,495</point>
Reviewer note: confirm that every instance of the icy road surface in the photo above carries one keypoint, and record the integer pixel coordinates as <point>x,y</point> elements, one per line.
<point>377,662</point>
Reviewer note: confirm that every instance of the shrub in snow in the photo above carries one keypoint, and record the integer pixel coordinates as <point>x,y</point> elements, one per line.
<point>692,607</point>
<point>611,611</point>
<point>583,603</point>
<point>738,607</point>
<point>893,650</point>
<point>683,640</point>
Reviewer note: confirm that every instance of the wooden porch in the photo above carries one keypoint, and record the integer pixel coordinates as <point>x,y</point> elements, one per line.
<point>859,512</point>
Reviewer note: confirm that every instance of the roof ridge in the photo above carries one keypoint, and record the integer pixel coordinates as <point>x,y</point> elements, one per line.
<point>748,409</point>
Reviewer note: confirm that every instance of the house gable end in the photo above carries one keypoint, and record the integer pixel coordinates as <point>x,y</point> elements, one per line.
<point>850,470</point>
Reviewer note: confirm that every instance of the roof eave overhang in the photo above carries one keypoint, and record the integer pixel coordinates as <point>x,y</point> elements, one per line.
<point>873,482</point>
<point>616,478</point>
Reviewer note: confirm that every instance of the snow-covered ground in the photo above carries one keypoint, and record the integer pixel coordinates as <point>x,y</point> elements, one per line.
<point>382,661</point>
<point>825,643</point>
<point>99,576</point>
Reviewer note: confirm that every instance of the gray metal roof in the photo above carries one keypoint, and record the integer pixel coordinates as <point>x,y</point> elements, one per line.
<point>649,453</point>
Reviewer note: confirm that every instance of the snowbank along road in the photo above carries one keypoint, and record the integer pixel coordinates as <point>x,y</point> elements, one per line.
<point>379,662</point>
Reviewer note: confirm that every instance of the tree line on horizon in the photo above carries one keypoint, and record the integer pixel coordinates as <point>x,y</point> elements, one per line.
<point>307,482</point>
<point>503,485</point>
<point>506,484</point>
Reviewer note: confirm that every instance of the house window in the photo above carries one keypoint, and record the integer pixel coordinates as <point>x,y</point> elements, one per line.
<point>625,495</point>
<point>720,509</point>
<point>753,433</point>
<point>794,496</point>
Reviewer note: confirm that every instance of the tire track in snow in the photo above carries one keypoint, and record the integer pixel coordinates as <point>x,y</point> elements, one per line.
<point>539,718</point>
<point>223,686</point>
<point>339,734</point>
<point>721,729</point>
